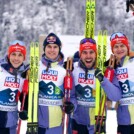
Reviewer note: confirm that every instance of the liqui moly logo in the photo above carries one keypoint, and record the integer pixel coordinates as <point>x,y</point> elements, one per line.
<point>10,82</point>
<point>122,73</point>
<point>89,80</point>
<point>49,75</point>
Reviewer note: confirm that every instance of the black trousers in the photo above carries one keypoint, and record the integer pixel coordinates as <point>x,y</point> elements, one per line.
<point>4,131</point>
<point>126,129</point>
<point>82,129</point>
<point>41,130</point>
<point>8,130</point>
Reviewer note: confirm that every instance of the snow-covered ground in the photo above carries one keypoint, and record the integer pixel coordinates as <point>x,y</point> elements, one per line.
<point>70,46</point>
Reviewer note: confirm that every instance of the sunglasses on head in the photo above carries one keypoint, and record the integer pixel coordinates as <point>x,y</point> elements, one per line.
<point>21,43</point>
<point>118,34</point>
<point>88,40</point>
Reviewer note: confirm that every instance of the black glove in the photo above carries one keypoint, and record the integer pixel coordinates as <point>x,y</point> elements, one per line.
<point>68,107</point>
<point>65,65</point>
<point>98,74</point>
<point>23,115</point>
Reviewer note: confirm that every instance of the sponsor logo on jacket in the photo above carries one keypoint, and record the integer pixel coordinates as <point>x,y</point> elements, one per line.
<point>122,73</point>
<point>49,75</point>
<point>10,82</point>
<point>89,80</point>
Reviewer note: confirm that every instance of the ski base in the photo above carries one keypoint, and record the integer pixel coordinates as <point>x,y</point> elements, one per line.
<point>100,127</point>
<point>32,128</point>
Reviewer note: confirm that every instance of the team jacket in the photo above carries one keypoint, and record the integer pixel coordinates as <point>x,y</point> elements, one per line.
<point>84,95</point>
<point>9,87</point>
<point>125,76</point>
<point>51,93</point>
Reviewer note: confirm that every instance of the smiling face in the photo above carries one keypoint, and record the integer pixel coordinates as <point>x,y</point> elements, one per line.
<point>52,51</point>
<point>88,57</point>
<point>120,50</point>
<point>16,59</point>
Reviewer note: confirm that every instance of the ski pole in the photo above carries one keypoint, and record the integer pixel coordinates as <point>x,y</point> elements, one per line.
<point>25,92</point>
<point>67,86</point>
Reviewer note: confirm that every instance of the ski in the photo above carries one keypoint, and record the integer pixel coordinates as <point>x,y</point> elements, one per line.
<point>100,104</point>
<point>33,89</point>
<point>92,23</point>
<point>103,95</point>
<point>90,19</point>
<point>87,21</point>
<point>98,88</point>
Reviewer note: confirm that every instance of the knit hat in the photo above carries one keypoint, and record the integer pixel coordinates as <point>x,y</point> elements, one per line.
<point>52,39</point>
<point>87,43</point>
<point>17,46</point>
<point>117,38</point>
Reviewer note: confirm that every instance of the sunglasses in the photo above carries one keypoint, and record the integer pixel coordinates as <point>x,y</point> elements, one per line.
<point>21,43</point>
<point>118,34</point>
<point>87,40</point>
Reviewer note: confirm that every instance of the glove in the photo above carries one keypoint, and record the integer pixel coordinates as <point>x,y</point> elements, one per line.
<point>23,115</point>
<point>98,74</point>
<point>68,107</point>
<point>109,74</point>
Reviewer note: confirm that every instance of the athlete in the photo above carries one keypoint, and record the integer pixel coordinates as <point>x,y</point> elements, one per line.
<point>51,90</point>
<point>84,75</point>
<point>12,70</point>
<point>124,72</point>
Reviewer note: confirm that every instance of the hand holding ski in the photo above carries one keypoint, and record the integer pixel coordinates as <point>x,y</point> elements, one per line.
<point>109,74</point>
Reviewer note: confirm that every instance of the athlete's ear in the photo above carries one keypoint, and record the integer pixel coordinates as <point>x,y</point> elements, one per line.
<point>131,54</point>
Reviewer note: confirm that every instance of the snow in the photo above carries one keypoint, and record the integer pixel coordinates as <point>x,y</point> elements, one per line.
<point>23,128</point>
<point>70,46</point>
<point>111,122</point>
